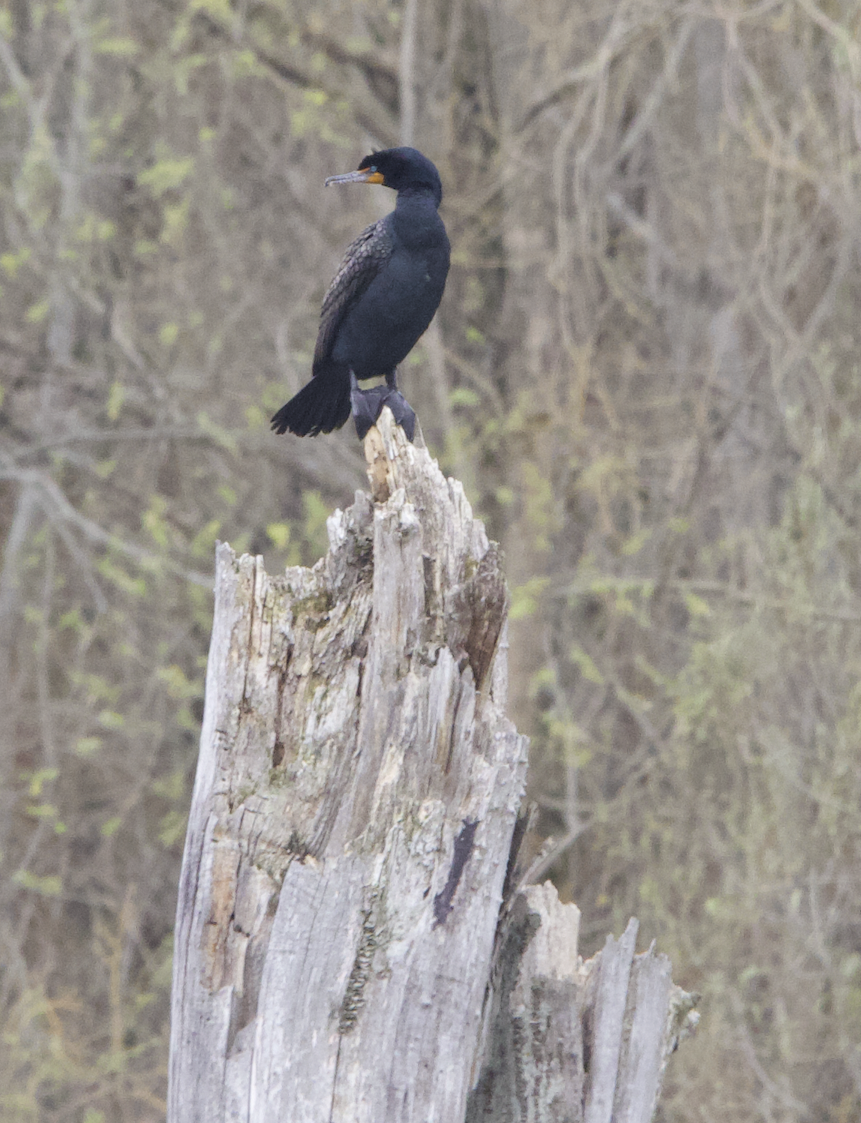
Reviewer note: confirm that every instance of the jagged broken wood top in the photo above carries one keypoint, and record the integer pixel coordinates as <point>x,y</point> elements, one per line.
<point>349,833</point>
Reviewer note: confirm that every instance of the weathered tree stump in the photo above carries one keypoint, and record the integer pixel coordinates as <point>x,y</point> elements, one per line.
<point>344,948</point>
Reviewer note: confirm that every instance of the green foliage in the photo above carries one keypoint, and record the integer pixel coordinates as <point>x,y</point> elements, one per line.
<point>48,885</point>
<point>166,174</point>
<point>524,598</point>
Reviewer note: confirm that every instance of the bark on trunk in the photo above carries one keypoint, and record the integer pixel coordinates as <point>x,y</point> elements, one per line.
<point>343,952</point>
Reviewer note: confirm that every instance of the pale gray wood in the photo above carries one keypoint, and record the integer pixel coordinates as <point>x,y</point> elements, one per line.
<point>533,1058</point>
<point>642,1058</point>
<point>608,1003</point>
<point>569,1041</point>
<point>330,962</point>
<point>341,953</point>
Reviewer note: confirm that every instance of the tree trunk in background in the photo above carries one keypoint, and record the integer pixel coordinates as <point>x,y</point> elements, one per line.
<point>348,946</point>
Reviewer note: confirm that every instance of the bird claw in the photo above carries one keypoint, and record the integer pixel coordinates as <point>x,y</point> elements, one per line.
<point>402,412</point>
<point>368,405</point>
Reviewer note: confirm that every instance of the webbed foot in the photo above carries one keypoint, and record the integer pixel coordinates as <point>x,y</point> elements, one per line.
<point>402,412</point>
<point>368,404</point>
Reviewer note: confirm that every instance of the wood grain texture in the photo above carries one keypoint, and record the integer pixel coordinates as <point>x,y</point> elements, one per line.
<point>568,1041</point>
<point>352,814</point>
<point>343,949</point>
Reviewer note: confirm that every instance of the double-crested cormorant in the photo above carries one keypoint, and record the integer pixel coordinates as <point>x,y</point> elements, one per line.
<point>382,299</point>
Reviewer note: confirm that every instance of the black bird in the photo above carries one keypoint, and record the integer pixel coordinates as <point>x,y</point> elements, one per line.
<point>382,299</point>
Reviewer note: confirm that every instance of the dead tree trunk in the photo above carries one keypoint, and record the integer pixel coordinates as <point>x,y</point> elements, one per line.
<point>343,951</point>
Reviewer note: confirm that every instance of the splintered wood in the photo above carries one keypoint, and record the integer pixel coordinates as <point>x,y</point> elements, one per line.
<point>342,948</point>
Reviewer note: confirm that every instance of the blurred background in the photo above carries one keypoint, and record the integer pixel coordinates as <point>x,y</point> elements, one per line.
<point>645,370</point>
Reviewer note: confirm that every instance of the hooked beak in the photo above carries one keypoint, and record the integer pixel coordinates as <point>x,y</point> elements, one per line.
<point>366,175</point>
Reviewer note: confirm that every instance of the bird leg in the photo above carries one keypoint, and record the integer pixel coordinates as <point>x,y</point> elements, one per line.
<point>401,409</point>
<point>368,405</point>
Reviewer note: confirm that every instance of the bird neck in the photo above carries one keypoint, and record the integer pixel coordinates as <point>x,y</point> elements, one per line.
<point>411,197</point>
<point>415,218</point>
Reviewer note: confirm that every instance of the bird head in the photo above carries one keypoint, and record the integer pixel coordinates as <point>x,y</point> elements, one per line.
<point>402,169</point>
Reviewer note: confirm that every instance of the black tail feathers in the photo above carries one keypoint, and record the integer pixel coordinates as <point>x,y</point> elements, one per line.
<point>319,407</point>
